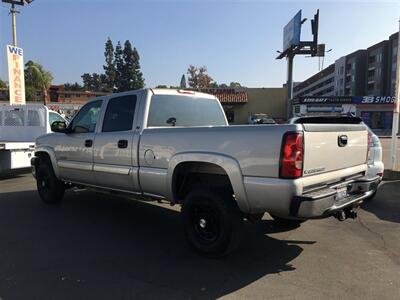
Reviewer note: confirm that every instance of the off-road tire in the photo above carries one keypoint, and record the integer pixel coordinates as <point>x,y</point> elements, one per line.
<point>213,223</point>
<point>51,190</point>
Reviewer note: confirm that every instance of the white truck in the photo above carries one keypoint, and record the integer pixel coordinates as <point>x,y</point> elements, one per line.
<point>20,125</point>
<point>177,146</point>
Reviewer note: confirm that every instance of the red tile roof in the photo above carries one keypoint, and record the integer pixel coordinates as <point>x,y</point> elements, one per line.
<point>228,96</point>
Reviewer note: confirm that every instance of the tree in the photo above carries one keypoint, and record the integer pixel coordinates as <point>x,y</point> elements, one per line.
<point>235,85</point>
<point>87,81</point>
<point>183,82</point>
<point>3,85</point>
<point>109,67</point>
<point>132,76</point>
<point>119,66</point>
<point>198,78</point>
<point>38,78</point>
<point>73,87</point>
<point>192,77</point>
<point>161,86</point>
<point>121,70</point>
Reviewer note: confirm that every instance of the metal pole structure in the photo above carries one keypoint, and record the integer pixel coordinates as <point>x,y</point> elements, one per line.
<point>289,85</point>
<point>14,12</point>
<point>395,126</point>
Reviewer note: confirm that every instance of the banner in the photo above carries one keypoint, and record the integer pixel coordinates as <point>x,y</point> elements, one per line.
<point>16,79</point>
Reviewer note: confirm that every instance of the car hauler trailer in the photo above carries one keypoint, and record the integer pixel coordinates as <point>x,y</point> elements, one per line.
<point>20,125</point>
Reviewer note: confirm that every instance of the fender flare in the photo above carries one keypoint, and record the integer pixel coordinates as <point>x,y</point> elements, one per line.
<point>50,152</point>
<point>228,164</point>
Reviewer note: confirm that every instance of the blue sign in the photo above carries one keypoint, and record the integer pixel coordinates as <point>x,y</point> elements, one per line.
<point>291,32</point>
<point>372,99</point>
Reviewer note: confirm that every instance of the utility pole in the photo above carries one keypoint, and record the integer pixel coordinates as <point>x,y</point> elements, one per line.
<point>395,125</point>
<point>13,12</point>
<point>289,85</point>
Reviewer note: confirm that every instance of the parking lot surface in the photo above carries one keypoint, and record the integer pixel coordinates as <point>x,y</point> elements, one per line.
<point>97,246</point>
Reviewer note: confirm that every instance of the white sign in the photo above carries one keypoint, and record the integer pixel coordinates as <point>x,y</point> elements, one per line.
<point>16,79</point>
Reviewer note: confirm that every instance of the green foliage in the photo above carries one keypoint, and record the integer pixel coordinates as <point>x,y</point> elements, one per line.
<point>235,85</point>
<point>73,87</point>
<point>161,86</point>
<point>121,70</point>
<point>109,68</point>
<point>37,78</point>
<point>182,85</point>
<point>3,85</point>
<point>198,78</point>
<point>95,82</point>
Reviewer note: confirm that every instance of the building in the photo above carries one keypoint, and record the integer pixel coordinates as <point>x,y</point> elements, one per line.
<point>377,69</point>
<point>392,63</point>
<point>363,83</point>
<point>355,73</point>
<point>320,84</point>
<point>240,103</point>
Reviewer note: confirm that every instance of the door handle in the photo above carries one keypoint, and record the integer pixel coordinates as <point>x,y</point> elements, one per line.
<point>122,144</point>
<point>88,143</point>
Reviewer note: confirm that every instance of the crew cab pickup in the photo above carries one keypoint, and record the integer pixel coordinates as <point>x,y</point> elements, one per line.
<point>177,146</point>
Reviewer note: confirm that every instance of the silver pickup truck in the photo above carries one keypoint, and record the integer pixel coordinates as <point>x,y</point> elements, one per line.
<point>176,145</point>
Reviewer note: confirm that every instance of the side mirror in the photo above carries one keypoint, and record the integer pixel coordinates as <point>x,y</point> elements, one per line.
<point>58,126</point>
<point>171,121</point>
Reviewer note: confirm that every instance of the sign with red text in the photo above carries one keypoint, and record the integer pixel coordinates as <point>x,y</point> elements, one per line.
<point>15,58</point>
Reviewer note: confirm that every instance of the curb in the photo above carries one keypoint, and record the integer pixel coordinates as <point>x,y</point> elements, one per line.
<point>391,175</point>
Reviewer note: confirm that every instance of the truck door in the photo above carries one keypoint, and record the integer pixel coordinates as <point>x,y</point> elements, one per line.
<point>74,150</point>
<point>115,145</point>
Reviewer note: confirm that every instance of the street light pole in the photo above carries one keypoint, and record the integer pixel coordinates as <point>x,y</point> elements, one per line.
<point>395,126</point>
<point>14,12</point>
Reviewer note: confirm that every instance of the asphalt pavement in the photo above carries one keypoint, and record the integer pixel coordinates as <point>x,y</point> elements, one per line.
<point>96,246</point>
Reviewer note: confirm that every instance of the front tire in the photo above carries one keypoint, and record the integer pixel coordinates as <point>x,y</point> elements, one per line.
<point>51,190</point>
<point>212,222</point>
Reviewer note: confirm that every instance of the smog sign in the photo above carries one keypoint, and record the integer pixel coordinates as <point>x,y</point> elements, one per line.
<point>15,58</point>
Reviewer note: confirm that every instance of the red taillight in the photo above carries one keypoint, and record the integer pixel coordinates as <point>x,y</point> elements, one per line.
<point>369,145</point>
<point>292,153</point>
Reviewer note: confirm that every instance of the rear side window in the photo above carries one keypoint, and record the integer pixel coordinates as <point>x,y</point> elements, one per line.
<point>119,114</point>
<point>175,110</point>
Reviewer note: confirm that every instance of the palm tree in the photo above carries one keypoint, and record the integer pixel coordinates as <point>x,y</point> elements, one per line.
<point>37,77</point>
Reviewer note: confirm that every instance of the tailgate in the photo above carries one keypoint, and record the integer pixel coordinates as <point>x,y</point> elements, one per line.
<point>330,147</point>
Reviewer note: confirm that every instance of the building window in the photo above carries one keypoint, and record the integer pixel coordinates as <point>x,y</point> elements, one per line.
<point>371,59</point>
<point>370,86</point>
<point>371,73</point>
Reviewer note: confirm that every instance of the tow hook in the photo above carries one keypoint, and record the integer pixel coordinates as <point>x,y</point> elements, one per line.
<point>345,214</point>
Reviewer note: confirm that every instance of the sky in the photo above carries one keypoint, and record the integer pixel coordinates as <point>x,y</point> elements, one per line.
<point>235,40</point>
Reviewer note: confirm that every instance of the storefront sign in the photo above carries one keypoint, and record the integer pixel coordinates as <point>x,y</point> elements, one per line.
<point>323,100</point>
<point>373,99</point>
<point>16,75</point>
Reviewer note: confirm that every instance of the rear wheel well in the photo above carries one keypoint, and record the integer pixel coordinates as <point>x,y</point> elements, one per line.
<point>190,175</point>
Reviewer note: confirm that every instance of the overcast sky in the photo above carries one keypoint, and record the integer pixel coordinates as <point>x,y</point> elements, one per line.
<point>236,40</point>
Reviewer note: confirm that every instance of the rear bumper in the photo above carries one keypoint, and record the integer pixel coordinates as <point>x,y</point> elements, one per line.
<point>326,202</point>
